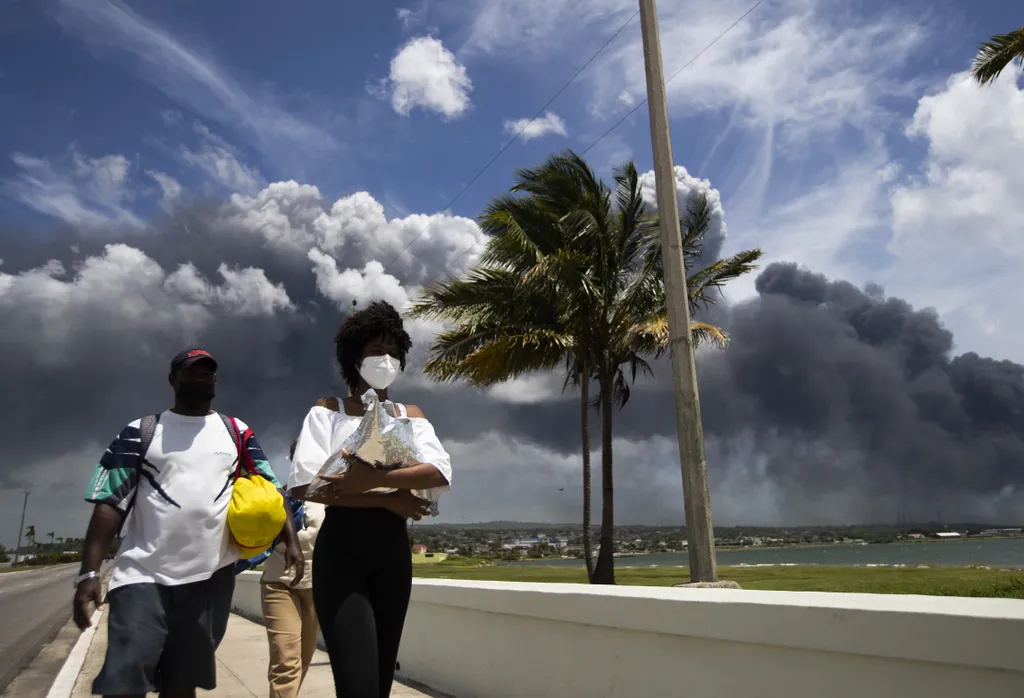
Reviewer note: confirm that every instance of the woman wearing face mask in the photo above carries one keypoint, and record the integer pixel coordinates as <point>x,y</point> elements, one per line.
<point>362,571</point>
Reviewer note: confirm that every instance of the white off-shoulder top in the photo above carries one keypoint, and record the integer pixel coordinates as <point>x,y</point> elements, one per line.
<point>324,431</point>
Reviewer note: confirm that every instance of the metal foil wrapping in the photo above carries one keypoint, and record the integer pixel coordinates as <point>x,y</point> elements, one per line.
<point>382,440</point>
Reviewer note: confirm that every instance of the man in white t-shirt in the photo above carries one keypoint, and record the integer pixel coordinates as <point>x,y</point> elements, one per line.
<point>172,580</point>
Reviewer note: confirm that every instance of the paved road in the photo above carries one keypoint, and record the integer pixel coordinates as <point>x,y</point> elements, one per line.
<point>34,605</point>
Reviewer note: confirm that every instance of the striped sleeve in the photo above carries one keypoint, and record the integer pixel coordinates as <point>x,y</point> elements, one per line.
<point>259,459</point>
<point>117,474</point>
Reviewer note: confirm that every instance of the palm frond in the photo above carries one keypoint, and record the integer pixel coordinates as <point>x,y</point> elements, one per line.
<point>700,284</point>
<point>997,53</point>
<point>703,333</point>
<point>694,227</point>
<point>514,355</point>
<point>482,293</point>
<point>519,232</point>
<point>451,347</point>
<point>563,273</point>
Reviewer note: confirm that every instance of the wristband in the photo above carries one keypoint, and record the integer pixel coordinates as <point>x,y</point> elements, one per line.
<point>83,577</point>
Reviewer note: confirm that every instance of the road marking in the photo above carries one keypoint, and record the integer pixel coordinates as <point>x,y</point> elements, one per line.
<point>64,684</point>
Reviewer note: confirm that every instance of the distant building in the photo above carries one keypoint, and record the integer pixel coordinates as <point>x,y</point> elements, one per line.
<point>419,549</point>
<point>422,557</point>
<point>558,542</point>
<point>948,534</point>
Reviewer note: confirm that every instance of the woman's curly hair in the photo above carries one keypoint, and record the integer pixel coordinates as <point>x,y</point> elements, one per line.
<point>378,319</point>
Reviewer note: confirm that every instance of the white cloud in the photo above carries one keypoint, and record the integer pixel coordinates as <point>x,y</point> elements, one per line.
<point>800,64</point>
<point>529,129</point>
<point>688,187</point>
<point>958,227</point>
<point>105,177</point>
<point>246,292</point>
<point>410,18</point>
<point>85,191</point>
<point>295,217</point>
<point>349,242</point>
<point>342,287</point>
<point>539,27</point>
<point>283,214</point>
<point>171,117</point>
<point>223,167</point>
<point>425,74</point>
<point>186,75</point>
<point>542,386</point>
<point>123,287</point>
<point>170,188</point>
<point>221,162</point>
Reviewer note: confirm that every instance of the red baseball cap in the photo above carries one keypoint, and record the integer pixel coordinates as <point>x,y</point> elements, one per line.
<point>188,357</point>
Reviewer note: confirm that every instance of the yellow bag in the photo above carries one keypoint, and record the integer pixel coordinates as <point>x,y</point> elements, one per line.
<point>256,512</point>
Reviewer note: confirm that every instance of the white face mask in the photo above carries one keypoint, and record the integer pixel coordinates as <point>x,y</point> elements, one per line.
<point>379,371</point>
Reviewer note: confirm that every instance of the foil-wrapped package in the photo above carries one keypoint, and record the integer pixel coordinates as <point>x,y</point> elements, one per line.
<point>382,440</point>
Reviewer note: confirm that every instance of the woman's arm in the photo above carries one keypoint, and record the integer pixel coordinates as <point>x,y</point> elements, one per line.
<point>360,477</point>
<point>401,503</point>
<point>422,476</point>
<point>431,473</point>
<point>332,497</point>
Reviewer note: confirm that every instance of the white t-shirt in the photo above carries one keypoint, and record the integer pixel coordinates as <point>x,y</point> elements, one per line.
<point>176,532</point>
<point>324,431</point>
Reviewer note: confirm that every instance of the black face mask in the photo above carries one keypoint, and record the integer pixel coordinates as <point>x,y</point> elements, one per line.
<point>196,392</point>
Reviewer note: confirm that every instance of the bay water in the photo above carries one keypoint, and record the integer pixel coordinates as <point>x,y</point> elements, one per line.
<point>1002,553</point>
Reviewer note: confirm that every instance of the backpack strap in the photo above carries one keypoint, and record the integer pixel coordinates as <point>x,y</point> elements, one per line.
<point>147,429</point>
<point>244,459</point>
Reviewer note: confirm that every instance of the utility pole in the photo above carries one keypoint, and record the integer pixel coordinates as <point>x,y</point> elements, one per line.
<point>21,528</point>
<point>700,535</point>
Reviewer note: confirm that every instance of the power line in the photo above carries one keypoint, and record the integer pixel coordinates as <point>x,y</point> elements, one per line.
<point>672,77</point>
<point>633,110</point>
<point>501,151</point>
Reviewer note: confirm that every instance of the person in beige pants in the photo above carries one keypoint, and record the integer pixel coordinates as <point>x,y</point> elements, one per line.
<point>288,611</point>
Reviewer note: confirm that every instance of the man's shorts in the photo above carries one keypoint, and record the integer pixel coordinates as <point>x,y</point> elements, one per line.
<point>165,637</point>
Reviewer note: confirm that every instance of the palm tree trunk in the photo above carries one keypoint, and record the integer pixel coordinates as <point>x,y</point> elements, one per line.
<point>604,573</point>
<point>588,546</point>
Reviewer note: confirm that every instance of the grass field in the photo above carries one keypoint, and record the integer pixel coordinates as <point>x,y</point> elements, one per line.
<point>937,581</point>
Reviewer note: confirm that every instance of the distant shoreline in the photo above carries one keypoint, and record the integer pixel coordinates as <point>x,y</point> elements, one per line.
<point>996,553</point>
<point>785,546</point>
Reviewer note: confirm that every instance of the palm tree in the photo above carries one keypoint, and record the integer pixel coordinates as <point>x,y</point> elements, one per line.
<point>30,535</point>
<point>997,53</point>
<point>570,278</point>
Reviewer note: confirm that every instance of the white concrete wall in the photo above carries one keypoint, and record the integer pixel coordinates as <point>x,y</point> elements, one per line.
<point>498,639</point>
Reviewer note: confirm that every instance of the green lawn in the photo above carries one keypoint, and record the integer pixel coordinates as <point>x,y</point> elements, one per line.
<point>940,581</point>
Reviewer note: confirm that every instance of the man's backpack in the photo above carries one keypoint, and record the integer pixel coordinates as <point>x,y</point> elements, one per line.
<point>147,429</point>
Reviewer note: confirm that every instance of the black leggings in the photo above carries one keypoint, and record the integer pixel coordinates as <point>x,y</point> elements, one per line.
<point>362,578</point>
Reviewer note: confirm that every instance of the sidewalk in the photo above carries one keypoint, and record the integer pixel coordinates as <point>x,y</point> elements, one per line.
<point>241,666</point>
